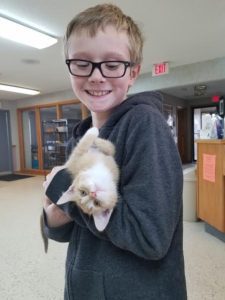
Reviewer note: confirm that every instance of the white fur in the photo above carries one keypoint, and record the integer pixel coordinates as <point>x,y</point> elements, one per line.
<point>100,175</point>
<point>93,131</point>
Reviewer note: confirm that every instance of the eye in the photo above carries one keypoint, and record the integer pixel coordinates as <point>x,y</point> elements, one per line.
<point>83,193</point>
<point>80,64</point>
<point>113,65</point>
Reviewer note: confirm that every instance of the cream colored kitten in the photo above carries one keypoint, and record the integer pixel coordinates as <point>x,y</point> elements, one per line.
<point>95,173</point>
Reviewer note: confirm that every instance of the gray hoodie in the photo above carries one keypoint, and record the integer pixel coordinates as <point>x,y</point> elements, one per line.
<point>139,256</point>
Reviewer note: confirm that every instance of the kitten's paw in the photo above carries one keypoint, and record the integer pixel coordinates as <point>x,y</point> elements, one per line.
<point>93,131</point>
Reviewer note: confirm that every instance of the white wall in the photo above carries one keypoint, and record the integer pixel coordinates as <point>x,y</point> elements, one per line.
<point>211,70</point>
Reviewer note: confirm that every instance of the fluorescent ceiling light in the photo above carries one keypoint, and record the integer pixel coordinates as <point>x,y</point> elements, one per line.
<point>16,89</point>
<point>24,35</point>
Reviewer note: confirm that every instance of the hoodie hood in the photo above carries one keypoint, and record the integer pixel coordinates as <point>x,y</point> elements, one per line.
<point>153,99</point>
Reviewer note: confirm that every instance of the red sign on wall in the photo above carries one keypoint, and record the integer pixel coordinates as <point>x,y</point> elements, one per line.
<point>160,69</point>
<point>209,167</point>
<point>215,98</point>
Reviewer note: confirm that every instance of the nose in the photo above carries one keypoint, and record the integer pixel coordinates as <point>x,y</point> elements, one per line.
<point>96,75</point>
<point>93,194</point>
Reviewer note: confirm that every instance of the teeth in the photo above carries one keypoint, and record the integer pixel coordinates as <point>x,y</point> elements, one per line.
<point>98,93</point>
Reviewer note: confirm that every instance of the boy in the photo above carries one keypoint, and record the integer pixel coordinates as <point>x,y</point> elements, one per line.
<point>139,255</point>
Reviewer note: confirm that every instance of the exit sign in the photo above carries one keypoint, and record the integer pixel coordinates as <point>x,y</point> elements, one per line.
<point>160,69</point>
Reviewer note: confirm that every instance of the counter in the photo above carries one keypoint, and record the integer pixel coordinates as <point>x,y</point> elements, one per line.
<point>211,182</point>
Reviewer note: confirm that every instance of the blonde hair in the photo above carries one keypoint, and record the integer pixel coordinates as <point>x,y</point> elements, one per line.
<point>97,18</point>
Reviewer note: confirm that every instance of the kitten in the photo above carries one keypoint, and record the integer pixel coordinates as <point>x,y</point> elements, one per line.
<point>96,174</point>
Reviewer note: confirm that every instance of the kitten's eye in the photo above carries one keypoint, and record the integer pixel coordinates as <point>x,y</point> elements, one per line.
<point>83,193</point>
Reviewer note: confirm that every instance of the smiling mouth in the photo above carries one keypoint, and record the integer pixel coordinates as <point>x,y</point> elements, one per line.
<point>98,93</point>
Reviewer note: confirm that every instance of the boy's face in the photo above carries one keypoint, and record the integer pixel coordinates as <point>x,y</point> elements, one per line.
<point>98,93</point>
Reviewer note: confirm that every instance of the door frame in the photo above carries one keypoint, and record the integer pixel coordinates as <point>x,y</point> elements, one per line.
<point>9,141</point>
<point>58,105</point>
<point>182,134</point>
<point>193,107</point>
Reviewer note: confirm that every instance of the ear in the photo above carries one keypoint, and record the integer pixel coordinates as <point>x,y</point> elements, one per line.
<point>134,72</point>
<point>66,196</point>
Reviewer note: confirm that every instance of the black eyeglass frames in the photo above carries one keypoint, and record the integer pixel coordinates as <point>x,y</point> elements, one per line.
<point>108,69</point>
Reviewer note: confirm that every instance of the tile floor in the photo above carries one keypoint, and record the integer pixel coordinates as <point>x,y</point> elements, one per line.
<point>28,273</point>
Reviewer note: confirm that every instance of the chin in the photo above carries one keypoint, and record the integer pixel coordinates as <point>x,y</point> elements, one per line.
<point>100,108</point>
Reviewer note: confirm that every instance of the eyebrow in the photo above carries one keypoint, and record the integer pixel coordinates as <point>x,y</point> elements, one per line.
<point>111,55</point>
<point>114,54</point>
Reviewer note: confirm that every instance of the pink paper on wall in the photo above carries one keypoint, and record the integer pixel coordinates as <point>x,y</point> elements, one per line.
<point>209,167</point>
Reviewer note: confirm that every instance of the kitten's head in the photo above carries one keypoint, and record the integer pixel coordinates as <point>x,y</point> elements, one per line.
<point>94,196</point>
<point>89,195</point>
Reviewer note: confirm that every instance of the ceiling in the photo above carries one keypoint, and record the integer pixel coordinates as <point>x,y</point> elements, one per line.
<point>178,31</point>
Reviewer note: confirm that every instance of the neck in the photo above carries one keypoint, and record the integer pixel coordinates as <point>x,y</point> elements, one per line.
<point>99,119</point>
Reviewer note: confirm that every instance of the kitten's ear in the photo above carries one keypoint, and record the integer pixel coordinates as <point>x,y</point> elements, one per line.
<point>101,219</point>
<point>67,196</point>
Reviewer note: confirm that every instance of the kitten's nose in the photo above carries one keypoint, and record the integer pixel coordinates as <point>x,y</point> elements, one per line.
<point>93,194</point>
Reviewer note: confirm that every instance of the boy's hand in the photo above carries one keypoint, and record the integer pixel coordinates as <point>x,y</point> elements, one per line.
<point>55,216</point>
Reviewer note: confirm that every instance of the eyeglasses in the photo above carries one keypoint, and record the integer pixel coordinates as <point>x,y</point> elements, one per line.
<point>108,69</point>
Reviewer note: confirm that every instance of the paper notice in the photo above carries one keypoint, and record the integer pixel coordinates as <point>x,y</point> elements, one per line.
<point>209,167</point>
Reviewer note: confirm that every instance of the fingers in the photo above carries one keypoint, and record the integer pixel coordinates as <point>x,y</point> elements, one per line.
<point>55,216</point>
<point>46,203</point>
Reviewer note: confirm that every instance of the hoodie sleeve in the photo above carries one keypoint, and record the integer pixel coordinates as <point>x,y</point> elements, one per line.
<point>60,234</point>
<point>150,202</point>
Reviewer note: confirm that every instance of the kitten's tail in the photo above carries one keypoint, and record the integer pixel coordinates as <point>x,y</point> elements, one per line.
<point>84,145</point>
<point>44,237</point>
